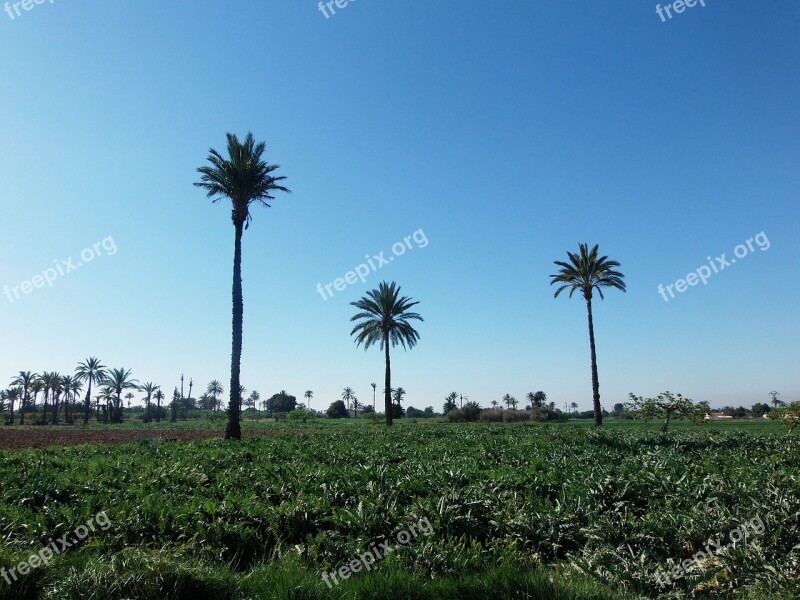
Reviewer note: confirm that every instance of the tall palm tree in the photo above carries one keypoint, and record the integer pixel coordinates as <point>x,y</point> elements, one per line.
<point>215,389</point>
<point>309,395</point>
<point>348,396</point>
<point>495,403</point>
<point>374,387</point>
<point>120,380</point>
<point>586,272</point>
<point>397,396</point>
<point>507,400</point>
<point>531,397</point>
<point>50,386</point>
<point>56,389</point>
<point>45,381</point>
<point>36,388</point>
<point>574,407</point>
<point>253,399</point>
<point>149,388</point>
<point>71,387</point>
<point>244,178</point>
<point>24,380</point>
<point>12,395</point>
<point>159,397</point>
<point>90,371</point>
<point>384,320</point>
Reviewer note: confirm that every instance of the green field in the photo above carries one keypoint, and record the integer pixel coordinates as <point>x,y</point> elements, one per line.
<point>515,511</point>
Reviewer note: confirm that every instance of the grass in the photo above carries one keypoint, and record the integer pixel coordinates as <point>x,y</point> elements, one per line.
<point>528,511</point>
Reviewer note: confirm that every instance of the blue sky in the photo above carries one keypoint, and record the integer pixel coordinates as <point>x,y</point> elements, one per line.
<point>507,134</point>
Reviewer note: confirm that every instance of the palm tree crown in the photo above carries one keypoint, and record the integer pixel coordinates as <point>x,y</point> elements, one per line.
<point>385,318</point>
<point>244,177</point>
<point>586,272</point>
<point>348,395</point>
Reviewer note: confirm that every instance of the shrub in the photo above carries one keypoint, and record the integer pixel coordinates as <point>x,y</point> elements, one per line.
<point>497,415</point>
<point>469,413</point>
<point>545,414</point>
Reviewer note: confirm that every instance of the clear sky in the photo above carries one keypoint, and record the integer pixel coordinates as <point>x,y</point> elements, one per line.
<point>507,132</point>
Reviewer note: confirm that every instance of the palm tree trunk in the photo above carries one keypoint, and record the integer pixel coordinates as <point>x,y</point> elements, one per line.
<point>24,404</point>
<point>387,400</point>
<point>234,430</point>
<point>87,409</point>
<point>55,411</point>
<point>598,414</point>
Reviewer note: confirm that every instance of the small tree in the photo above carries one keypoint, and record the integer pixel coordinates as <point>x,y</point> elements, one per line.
<point>337,410</point>
<point>664,405</point>
<point>299,414</point>
<point>282,402</point>
<point>789,414</point>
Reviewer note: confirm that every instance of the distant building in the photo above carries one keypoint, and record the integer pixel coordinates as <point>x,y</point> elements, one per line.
<point>717,416</point>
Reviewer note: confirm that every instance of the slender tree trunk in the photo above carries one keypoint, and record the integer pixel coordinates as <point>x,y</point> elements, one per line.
<point>598,414</point>
<point>43,421</point>
<point>387,400</point>
<point>87,408</point>
<point>234,429</point>
<point>55,410</point>
<point>665,424</point>
<point>25,399</point>
<point>116,415</point>
<point>11,411</point>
